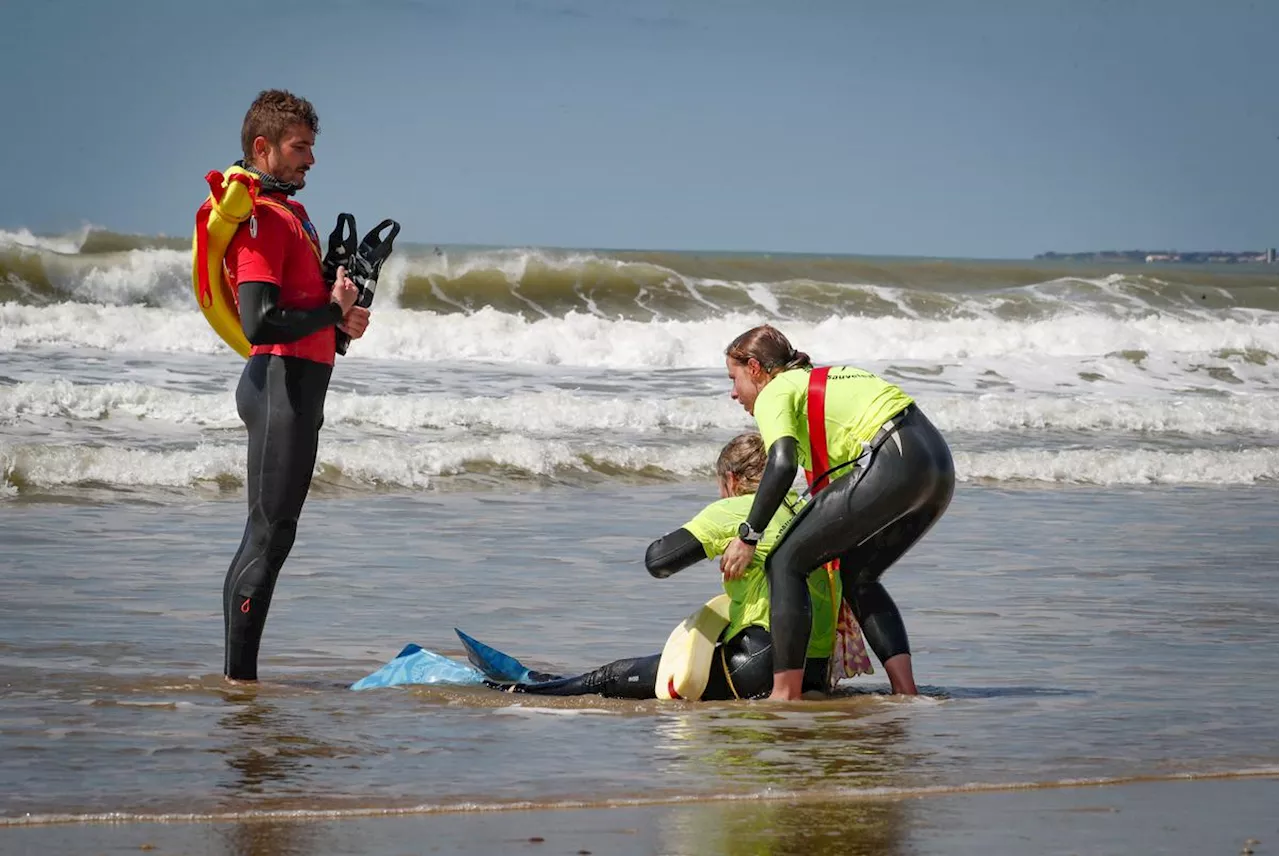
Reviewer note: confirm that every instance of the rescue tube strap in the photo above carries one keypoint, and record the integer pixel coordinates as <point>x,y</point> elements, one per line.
<point>204,288</point>
<point>728,676</point>
<point>312,238</point>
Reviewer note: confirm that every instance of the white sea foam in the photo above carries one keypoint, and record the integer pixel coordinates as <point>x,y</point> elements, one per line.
<point>57,466</point>
<point>584,340</point>
<point>763,297</point>
<point>1119,467</point>
<point>1183,415</point>
<point>155,276</point>
<point>66,244</point>
<point>116,329</point>
<point>653,397</point>
<point>61,398</point>
<point>375,463</point>
<point>399,464</point>
<point>561,412</point>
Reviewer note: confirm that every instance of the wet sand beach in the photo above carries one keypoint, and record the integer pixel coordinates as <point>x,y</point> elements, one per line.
<point>1228,816</point>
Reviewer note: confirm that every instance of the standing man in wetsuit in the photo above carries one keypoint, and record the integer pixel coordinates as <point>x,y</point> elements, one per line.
<point>289,314</point>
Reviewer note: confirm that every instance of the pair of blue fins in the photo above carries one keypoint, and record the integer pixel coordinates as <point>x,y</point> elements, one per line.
<point>488,666</point>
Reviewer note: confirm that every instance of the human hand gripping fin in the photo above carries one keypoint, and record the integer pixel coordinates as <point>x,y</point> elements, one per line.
<point>343,291</point>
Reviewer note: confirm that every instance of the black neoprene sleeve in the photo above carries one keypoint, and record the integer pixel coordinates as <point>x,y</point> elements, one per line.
<point>779,475</point>
<point>265,322</point>
<point>673,552</point>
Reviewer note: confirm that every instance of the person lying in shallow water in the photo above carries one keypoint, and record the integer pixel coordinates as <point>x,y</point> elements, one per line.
<point>742,663</point>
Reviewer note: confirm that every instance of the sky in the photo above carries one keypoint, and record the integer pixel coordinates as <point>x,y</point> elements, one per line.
<point>975,129</point>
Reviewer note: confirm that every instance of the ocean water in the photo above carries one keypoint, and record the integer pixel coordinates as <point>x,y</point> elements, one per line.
<point>1099,604</point>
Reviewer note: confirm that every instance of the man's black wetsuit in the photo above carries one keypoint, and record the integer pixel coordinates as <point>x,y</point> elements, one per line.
<point>280,398</point>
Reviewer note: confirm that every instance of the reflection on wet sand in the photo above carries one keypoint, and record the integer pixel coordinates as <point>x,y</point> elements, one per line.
<point>838,745</point>
<point>841,743</point>
<point>803,828</point>
<point>265,748</point>
<point>1211,816</point>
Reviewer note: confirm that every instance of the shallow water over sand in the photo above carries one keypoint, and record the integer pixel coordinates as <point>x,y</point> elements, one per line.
<point>1059,635</point>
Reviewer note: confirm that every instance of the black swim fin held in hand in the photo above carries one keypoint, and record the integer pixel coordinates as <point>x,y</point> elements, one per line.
<point>363,261</point>
<point>374,249</point>
<point>342,247</point>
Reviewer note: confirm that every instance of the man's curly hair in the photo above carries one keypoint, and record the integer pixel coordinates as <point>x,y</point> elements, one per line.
<point>272,113</point>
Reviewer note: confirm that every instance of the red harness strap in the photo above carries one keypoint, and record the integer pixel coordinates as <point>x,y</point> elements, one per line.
<point>312,237</point>
<point>817,406</point>
<point>817,429</point>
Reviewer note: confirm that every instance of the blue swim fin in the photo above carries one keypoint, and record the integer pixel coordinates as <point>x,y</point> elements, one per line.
<point>497,666</point>
<point>415,665</point>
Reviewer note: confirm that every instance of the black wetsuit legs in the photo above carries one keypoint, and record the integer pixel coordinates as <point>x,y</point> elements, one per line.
<point>740,668</point>
<point>860,570</point>
<point>868,519</point>
<point>631,678</point>
<point>281,401</point>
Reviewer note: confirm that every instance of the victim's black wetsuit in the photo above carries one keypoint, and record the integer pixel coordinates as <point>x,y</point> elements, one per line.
<point>281,401</point>
<point>742,667</point>
<point>867,517</point>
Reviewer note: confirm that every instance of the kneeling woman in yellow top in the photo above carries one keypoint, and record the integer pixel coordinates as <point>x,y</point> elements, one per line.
<point>742,663</point>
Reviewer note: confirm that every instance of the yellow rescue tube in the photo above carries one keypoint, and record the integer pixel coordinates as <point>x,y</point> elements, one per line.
<point>232,195</point>
<point>685,665</point>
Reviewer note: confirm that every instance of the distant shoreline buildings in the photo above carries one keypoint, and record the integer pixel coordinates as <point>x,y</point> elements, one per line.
<point>1167,256</point>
